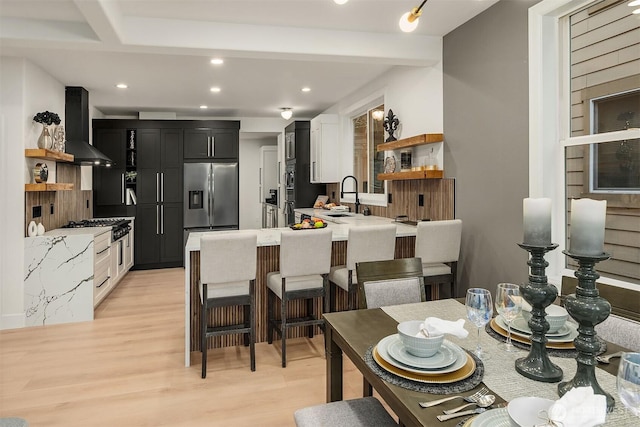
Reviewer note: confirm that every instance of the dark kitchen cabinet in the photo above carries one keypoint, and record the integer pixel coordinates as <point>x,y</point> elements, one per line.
<point>204,143</point>
<point>159,212</point>
<point>109,183</point>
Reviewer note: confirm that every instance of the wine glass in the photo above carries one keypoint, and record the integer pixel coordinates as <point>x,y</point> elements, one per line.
<point>479,311</point>
<point>628,381</point>
<point>508,305</point>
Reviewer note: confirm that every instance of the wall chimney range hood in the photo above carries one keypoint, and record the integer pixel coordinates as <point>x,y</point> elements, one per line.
<point>76,112</point>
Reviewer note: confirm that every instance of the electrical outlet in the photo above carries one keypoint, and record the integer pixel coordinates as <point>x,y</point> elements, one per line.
<point>389,198</point>
<point>51,209</point>
<point>420,199</point>
<point>36,212</point>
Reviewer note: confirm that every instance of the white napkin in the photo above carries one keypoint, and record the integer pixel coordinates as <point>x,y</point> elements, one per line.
<point>436,327</point>
<point>579,407</point>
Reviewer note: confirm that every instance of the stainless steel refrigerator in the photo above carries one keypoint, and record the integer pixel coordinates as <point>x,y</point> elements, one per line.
<point>211,197</point>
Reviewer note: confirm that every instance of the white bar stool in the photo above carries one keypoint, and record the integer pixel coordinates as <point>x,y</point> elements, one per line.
<point>366,243</point>
<point>228,264</point>
<point>438,245</point>
<point>305,261</point>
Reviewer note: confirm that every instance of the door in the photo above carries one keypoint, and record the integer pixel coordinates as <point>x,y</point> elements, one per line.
<point>147,234</point>
<point>210,144</point>
<point>197,144</point>
<point>224,194</point>
<point>171,159</point>
<point>224,144</point>
<point>148,166</point>
<point>196,195</point>
<point>171,232</point>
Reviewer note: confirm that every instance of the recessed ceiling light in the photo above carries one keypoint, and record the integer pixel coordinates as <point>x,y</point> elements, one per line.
<point>217,61</point>
<point>306,89</point>
<point>203,107</point>
<point>215,89</point>
<point>121,86</point>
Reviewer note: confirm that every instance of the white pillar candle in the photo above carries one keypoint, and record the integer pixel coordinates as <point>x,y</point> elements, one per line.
<point>587,226</point>
<point>537,221</point>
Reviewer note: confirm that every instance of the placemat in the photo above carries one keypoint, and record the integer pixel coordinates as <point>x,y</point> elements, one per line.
<point>569,354</point>
<point>452,388</point>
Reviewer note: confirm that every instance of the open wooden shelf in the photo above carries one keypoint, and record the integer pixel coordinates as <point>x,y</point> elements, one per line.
<point>41,153</point>
<point>48,187</point>
<point>425,174</point>
<point>426,138</point>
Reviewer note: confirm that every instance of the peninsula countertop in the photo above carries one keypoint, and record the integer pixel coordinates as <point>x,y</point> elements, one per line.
<point>339,227</point>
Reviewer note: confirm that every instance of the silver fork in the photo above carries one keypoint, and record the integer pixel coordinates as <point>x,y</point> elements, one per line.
<point>607,359</point>
<point>471,399</point>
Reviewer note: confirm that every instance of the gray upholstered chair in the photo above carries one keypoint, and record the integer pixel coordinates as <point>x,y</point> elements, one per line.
<point>366,243</point>
<point>391,282</point>
<point>622,331</point>
<point>438,244</point>
<point>305,261</point>
<point>228,264</point>
<point>364,412</point>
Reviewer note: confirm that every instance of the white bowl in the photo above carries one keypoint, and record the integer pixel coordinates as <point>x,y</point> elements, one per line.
<point>556,316</point>
<point>525,411</point>
<point>419,346</point>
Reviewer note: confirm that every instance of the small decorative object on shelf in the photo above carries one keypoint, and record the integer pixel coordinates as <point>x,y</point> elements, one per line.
<point>40,173</point>
<point>538,292</point>
<point>586,306</point>
<point>390,164</point>
<point>391,123</point>
<point>46,119</point>
<point>59,139</point>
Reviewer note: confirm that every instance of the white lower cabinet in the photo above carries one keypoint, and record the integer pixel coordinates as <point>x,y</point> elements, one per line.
<point>112,262</point>
<point>101,267</point>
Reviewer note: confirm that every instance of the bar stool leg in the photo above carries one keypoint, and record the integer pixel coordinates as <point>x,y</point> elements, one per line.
<point>252,325</point>
<point>203,330</point>
<point>310,313</point>
<point>270,317</point>
<point>283,329</point>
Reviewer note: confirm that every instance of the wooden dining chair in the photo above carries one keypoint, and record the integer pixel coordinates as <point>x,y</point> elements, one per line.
<point>391,282</point>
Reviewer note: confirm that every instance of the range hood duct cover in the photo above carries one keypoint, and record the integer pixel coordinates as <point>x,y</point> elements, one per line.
<point>76,112</point>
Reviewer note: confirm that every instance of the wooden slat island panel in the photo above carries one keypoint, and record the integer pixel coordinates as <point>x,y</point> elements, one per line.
<point>268,261</point>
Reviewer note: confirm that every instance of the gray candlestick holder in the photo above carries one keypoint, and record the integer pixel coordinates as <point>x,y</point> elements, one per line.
<point>588,308</point>
<point>540,294</point>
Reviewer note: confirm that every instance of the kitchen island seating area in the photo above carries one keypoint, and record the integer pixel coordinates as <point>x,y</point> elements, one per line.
<point>228,278</point>
<point>438,244</point>
<point>369,243</point>
<point>305,261</point>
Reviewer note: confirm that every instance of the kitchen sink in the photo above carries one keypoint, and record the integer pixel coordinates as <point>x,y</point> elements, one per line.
<point>338,214</point>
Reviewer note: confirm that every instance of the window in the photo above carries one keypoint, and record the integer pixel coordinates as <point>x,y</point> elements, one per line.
<point>583,62</point>
<point>368,132</point>
<point>615,166</point>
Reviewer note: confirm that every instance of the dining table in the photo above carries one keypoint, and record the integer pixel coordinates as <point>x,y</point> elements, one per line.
<point>356,333</point>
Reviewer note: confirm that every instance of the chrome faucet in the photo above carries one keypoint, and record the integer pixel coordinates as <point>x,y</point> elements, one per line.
<point>342,192</point>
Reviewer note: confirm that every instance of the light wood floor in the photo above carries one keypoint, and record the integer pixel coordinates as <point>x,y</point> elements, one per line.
<point>126,368</point>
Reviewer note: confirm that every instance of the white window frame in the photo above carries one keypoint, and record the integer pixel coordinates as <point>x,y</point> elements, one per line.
<point>349,113</point>
<point>549,124</point>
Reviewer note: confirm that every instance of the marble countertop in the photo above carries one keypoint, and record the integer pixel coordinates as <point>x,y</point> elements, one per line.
<point>271,236</point>
<point>94,231</point>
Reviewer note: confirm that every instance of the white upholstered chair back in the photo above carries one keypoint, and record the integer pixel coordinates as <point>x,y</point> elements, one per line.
<point>382,293</point>
<point>438,241</point>
<point>305,252</point>
<point>228,257</point>
<point>370,243</point>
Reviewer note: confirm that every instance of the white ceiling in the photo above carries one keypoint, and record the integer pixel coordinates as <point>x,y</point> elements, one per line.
<point>271,48</point>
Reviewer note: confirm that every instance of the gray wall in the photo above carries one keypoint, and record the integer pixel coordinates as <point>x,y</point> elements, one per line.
<point>486,140</point>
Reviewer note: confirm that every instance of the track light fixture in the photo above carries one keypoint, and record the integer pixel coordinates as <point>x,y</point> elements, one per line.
<point>409,21</point>
<point>286,113</point>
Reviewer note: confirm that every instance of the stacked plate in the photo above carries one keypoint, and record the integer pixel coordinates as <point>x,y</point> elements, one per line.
<point>520,331</point>
<point>450,364</point>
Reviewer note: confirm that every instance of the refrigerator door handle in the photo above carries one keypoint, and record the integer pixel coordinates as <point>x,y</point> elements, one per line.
<point>212,195</point>
<point>210,188</point>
